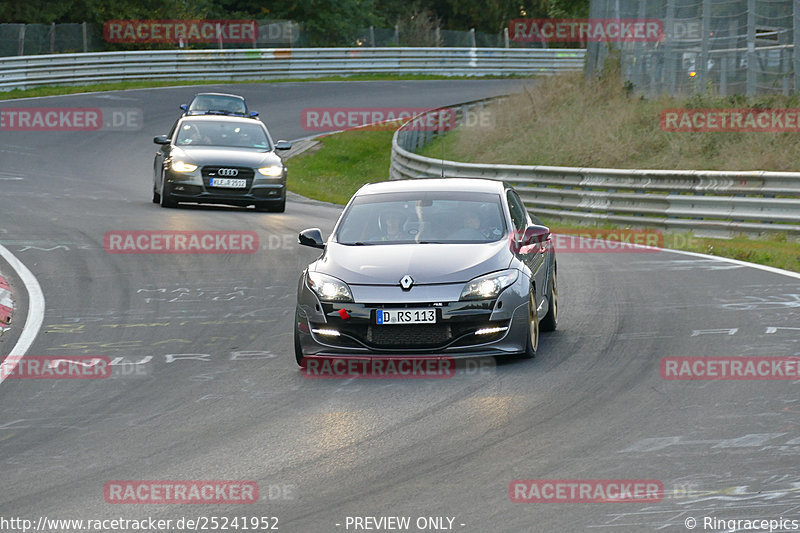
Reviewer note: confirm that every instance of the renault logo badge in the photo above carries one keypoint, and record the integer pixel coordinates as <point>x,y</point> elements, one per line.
<point>406,282</point>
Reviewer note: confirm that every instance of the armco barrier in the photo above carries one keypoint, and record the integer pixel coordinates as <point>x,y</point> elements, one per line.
<point>63,69</point>
<point>703,201</point>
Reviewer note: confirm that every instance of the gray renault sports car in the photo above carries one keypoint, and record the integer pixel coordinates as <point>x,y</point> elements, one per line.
<point>446,267</point>
<point>221,160</point>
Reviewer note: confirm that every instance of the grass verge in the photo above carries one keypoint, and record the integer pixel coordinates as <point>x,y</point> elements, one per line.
<point>343,162</point>
<point>334,169</point>
<point>59,90</point>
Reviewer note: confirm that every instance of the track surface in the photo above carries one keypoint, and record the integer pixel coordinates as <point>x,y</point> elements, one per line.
<point>217,394</point>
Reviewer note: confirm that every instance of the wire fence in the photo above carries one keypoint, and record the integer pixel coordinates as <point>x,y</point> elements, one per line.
<point>34,39</point>
<point>729,46</point>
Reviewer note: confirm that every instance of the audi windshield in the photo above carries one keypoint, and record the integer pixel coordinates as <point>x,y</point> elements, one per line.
<point>422,217</point>
<point>222,133</point>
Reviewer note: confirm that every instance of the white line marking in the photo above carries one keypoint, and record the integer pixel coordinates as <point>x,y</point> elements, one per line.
<point>765,268</point>
<point>33,322</point>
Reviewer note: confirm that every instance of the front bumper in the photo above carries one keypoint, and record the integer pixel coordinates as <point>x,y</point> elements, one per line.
<point>194,188</point>
<point>460,329</point>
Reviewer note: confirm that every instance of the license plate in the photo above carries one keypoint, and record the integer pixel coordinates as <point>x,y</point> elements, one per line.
<point>231,183</point>
<point>406,316</point>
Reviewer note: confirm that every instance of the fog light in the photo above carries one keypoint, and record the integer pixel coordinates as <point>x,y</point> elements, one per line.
<point>330,332</point>
<point>490,331</point>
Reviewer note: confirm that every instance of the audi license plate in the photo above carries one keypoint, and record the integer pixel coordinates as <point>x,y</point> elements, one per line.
<point>406,316</point>
<point>231,183</point>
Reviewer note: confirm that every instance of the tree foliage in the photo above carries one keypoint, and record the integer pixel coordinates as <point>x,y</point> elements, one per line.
<point>330,22</point>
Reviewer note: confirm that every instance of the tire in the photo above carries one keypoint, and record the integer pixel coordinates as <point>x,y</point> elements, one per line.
<point>550,320</point>
<point>166,201</point>
<point>533,327</point>
<point>156,196</point>
<point>298,351</point>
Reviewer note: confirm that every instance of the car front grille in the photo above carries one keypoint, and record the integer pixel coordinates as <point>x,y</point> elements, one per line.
<point>411,336</point>
<point>244,173</point>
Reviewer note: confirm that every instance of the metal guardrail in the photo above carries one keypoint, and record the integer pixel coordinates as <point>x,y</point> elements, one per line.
<point>66,69</point>
<point>703,201</point>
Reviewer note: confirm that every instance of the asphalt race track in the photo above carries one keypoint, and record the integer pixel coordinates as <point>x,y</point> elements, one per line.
<point>206,386</point>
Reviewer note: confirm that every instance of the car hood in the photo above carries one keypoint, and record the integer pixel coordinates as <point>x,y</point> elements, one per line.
<point>425,263</point>
<point>240,157</point>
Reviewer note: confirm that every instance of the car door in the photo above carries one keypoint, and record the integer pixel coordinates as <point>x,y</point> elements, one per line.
<point>532,256</point>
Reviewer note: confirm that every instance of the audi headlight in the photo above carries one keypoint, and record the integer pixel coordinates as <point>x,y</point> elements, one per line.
<point>182,166</point>
<point>273,171</point>
<point>328,288</point>
<point>488,286</point>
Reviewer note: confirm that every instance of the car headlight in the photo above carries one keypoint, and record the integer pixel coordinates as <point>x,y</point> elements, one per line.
<point>488,286</point>
<point>328,288</point>
<point>274,171</point>
<point>182,166</point>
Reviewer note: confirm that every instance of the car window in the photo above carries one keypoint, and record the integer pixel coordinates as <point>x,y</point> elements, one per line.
<point>206,102</point>
<point>219,133</point>
<point>397,218</point>
<point>519,215</point>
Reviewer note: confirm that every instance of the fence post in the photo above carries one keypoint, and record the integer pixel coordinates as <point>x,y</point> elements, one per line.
<point>702,71</point>
<point>505,36</point>
<point>751,48</point>
<point>796,42</point>
<point>52,37</point>
<point>372,36</point>
<point>21,46</point>
<point>397,34</point>
<point>472,37</point>
<point>669,55</point>
<point>85,38</point>
<point>723,74</point>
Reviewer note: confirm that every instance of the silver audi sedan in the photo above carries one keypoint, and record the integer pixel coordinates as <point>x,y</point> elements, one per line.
<point>445,267</point>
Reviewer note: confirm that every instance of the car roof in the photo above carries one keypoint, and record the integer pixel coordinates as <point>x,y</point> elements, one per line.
<point>434,185</point>
<point>220,118</point>
<point>220,94</point>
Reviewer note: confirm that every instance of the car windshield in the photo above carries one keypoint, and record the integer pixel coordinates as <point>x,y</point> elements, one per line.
<point>422,217</point>
<point>218,133</point>
<point>226,104</point>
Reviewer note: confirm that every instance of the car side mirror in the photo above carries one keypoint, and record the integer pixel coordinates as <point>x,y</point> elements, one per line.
<point>536,234</point>
<point>253,114</point>
<point>283,145</point>
<point>311,237</point>
<point>532,240</point>
<point>161,139</point>
<point>185,107</point>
